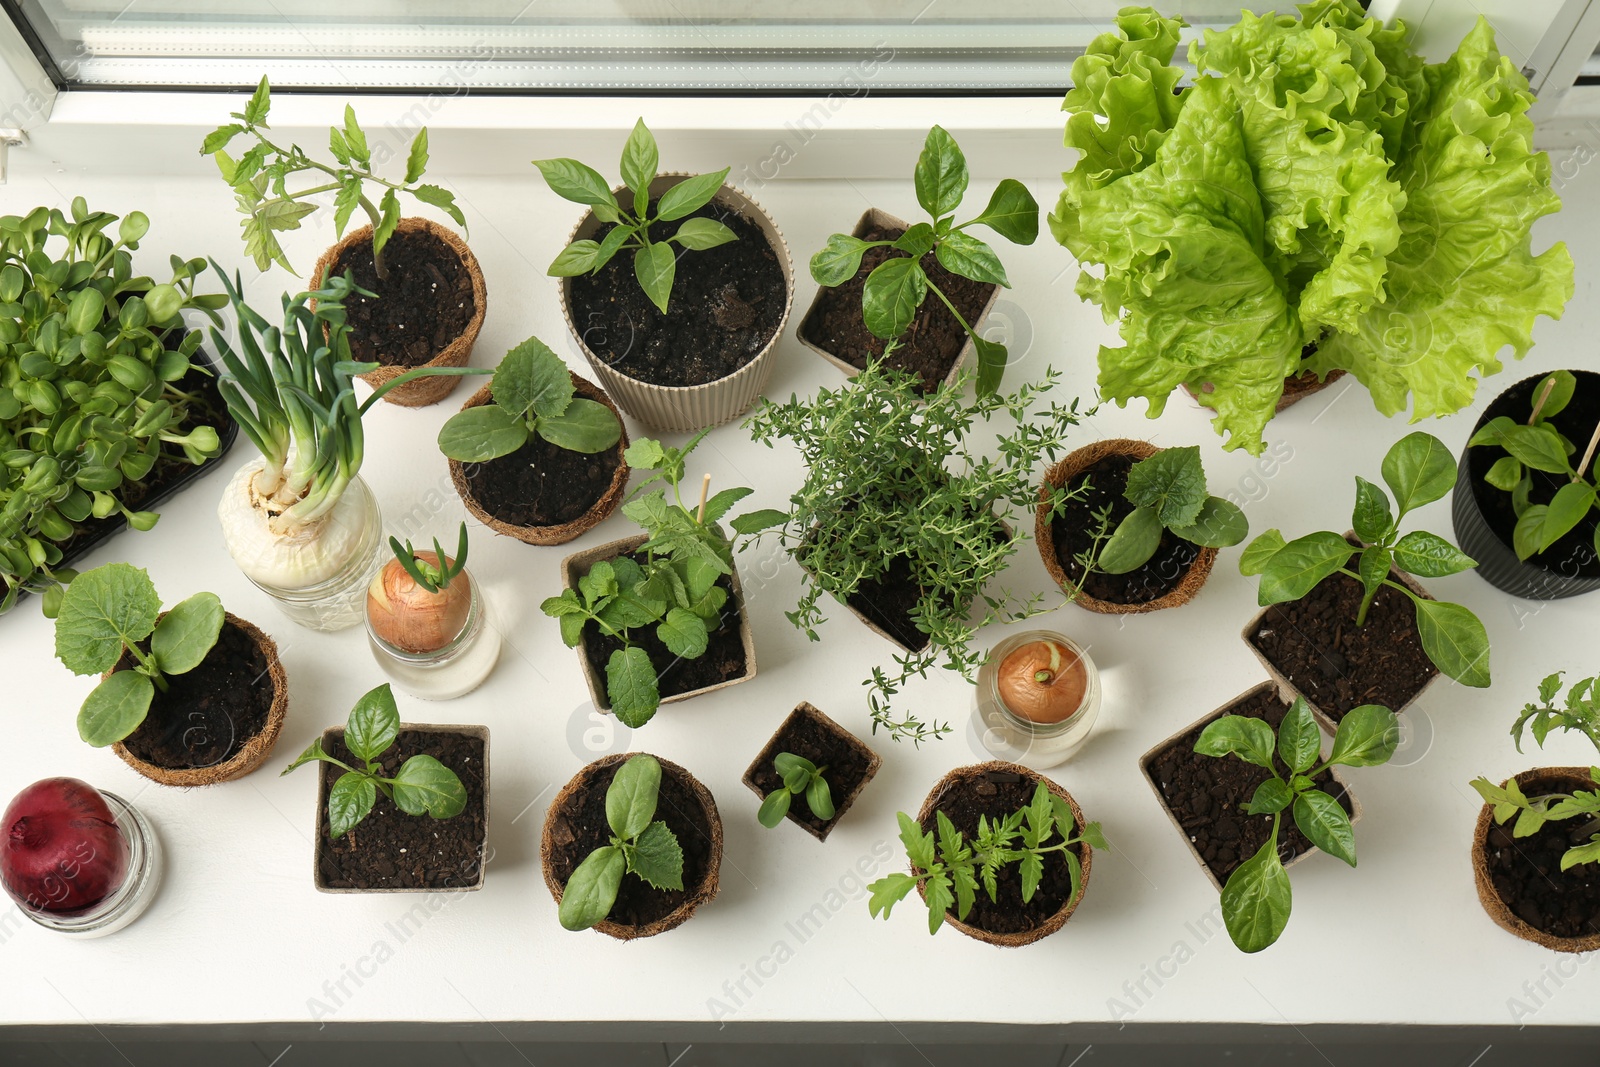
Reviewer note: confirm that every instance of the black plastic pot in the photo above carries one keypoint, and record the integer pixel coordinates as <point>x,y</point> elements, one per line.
<point>1570,567</point>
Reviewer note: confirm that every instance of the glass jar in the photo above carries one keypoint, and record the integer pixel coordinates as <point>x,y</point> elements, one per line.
<point>452,671</point>
<point>136,891</point>
<point>339,601</point>
<point>1013,736</point>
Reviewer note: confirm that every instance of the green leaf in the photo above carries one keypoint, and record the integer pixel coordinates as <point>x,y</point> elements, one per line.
<point>349,801</point>
<point>1374,567</point>
<point>819,798</point>
<point>355,138</point>
<point>1504,473</point>
<point>373,725</point>
<point>1581,854</point>
<point>1539,447</point>
<point>655,266</point>
<point>893,292</point>
<point>1455,641</point>
<point>1220,524</point>
<point>482,433</point>
<point>1562,384</point>
<point>701,234</point>
<point>1236,735</point>
<point>1258,553</point>
<point>1367,736</point>
<point>102,611</point>
<point>657,857</point>
<point>88,307</point>
<point>1032,871</point>
<point>587,426</point>
<point>940,898</point>
<point>218,138</point>
<point>1418,470</point>
<point>992,361</point>
<point>579,257</point>
<point>599,583</point>
<point>1012,212</point>
<point>426,786</point>
<point>918,842</point>
<point>756,521</point>
<point>961,253</point>
<point>260,103</point>
<point>774,808</point>
<point>719,505</point>
<point>312,754</point>
<point>577,182</point>
<point>116,707</point>
<point>1134,541</point>
<point>1172,482</point>
<point>1299,740</point>
<point>1324,822</point>
<point>684,634</point>
<point>441,198</point>
<point>839,260</point>
<point>941,174</point>
<point>388,220</point>
<point>1271,797</point>
<point>917,241</point>
<point>1430,556</point>
<point>640,158</point>
<point>417,160</point>
<point>189,631</point>
<point>1257,899</point>
<point>888,891</point>
<point>631,685</point>
<point>690,195</point>
<point>592,890</point>
<point>1296,568</point>
<point>1566,509</point>
<point>1373,520</point>
<point>632,795</point>
<point>532,380</point>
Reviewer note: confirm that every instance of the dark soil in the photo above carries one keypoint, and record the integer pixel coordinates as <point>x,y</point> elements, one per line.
<point>580,828</point>
<point>393,850</point>
<point>423,306</point>
<point>843,758</point>
<point>1337,665</point>
<point>207,715</point>
<point>933,343</point>
<point>998,794</point>
<point>1207,794</point>
<point>542,485</point>
<point>1527,873</point>
<point>723,659</point>
<point>1074,532</point>
<point>1574,554</point>
<point>726,304</point>
<point>888,601</point>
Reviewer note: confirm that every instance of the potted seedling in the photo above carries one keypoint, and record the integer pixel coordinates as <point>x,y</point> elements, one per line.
<point>876,280</point>
<point>676,287</point>
<point>1401,638</point>
<point>379,776</point>
<point>1210,228</point>
<point>1525,503</point>
<point>189,696</point>
<point>903,514</point>
<point>997,851</point>
<point>659,617</point>
<point>537,454</point>
<point>107,404</point>
<point>811,772</point>
<point>631,847</point>
<point>1539,877</point>
<point>1126,527</point>
<point>428,622</point>
<point>421,296</point>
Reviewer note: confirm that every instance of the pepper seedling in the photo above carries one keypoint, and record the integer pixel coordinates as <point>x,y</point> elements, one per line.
<point>800,777</point>
<point>1418,470</point>
<point>1256,899</point>
<point>655,262</point>
<point>422,785</point>
<point>641,845</point>
<point>111,611</point>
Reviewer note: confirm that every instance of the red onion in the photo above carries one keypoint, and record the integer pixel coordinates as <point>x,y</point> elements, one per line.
<point>61,851</point>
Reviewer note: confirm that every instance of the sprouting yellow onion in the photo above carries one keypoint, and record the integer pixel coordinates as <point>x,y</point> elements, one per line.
<point>409,617</point>
<point>1042,681</point>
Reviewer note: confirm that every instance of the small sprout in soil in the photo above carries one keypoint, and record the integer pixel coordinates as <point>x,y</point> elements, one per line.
<point>415,601</point>
<point>533,394</point>
<point>951,872</point>
<point>1256,899</point>
<point>800,777</point>
<point>109,612</point>
<point>1533,812</point>
<point>641,845</point>
<point>259,182</point>
<point>897,287</point>
<point>1538,446</point>
<point>1582,712</point>
<point>422,786</point>
<point>655,262</point>
<point>1418,471</point>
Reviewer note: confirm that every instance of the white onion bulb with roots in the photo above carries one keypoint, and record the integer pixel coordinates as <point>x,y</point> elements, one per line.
<point>302,556</point>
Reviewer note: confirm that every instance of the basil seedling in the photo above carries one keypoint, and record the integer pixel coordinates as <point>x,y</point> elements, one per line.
<point>800,777</point>
<point>533,394</point>
<point>641,845</point>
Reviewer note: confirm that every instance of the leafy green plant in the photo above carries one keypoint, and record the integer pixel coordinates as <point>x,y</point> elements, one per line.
<point>897,287</point>
<point>655,262</point>
<point>669,585</point>
<point>1581,713</point>
<point>93,400</point>
<point>800,777</point>
<point>1533,812</point>
<point>895,478</point>
<point>110,612</point>
<point>1256,899</point>
<point>641,845</point>
<point>1536,445</point>
<point>422,785</point>
<point>951,871</point>
<point>1418,470</point>
<point>533,394</point>
<point>259,179</point>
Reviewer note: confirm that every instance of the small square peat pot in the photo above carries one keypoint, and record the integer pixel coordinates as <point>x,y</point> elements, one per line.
<point>392,852</point>
<point>1205,796</point>
<point>1313,648</point>
<point>847,766</point>
<point>730,657</point>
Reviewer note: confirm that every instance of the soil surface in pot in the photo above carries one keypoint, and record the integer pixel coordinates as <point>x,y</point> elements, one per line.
<point>998,794</point>
<point>423,306</point>
<point>845,761</point>
<point>726,305</point>
<point>723,660</point>
<point>888,601</point>
<point>393,850</point>
<point>1337,665</point>
<point>1573,555</point>
<point>1208,795</point>
<point>934,341</point>
<point>1527,874</point>
<point>1073,532</point>
<point>542,485</point>
<point>581,827</point>
<point>207,715</point>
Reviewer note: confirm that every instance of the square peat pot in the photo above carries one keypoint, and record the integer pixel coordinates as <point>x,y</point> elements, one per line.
<point>1308,648</point>
<point>577,565</point>
<point>392,852</point>
<point>1205,796</point>
<point>849,764</point>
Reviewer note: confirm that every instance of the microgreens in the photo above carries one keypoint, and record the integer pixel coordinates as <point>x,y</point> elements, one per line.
<point>641,845</point>
<point>800,777</point>
<point>434,577</point>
